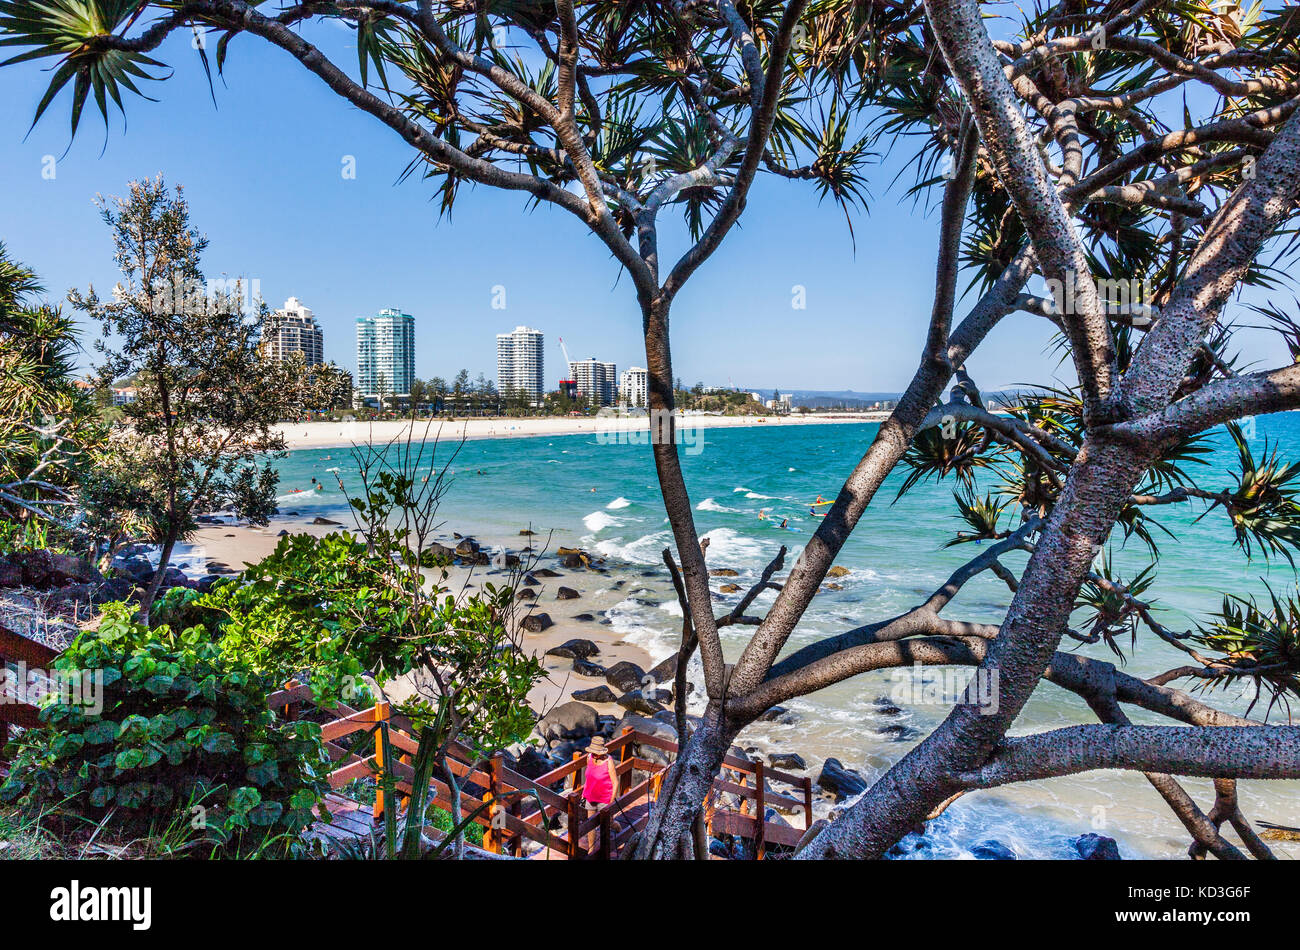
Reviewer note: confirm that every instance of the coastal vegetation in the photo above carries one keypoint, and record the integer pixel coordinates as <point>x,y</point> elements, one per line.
<point>1118,170</point>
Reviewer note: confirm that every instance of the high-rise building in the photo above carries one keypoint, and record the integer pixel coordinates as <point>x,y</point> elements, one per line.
<point>293,329</point>
<point>385,353</point>
<point>597,380</point>
<point>519,362</point>
<point>632,387</point>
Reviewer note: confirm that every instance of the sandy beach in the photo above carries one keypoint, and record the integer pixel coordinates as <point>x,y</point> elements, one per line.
<point>332,435</point>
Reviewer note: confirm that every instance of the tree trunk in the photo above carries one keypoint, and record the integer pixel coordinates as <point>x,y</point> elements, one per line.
<point>671,829</point>
<point>1104,476</point>
<point>151,592</point>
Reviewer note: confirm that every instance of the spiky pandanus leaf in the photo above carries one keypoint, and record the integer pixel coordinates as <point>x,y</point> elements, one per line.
<point>70,31</point>
<point>944,450</point>
<point>982,514</point>
<point>1265,505</point>
<point>1110,612</point>
<point>1260,645</point>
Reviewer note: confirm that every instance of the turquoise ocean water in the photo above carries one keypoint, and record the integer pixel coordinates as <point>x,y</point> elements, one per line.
<point>604,497</point>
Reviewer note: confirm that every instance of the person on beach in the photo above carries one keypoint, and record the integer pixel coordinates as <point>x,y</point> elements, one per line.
<point>599,781</point>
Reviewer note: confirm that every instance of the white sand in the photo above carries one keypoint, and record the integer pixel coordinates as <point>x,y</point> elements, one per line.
<point>331,435</point>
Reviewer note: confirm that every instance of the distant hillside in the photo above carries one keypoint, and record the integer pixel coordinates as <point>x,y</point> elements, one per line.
<point>832,399</point>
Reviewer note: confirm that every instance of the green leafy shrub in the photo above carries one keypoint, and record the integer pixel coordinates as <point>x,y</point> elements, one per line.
<point>184,732</point>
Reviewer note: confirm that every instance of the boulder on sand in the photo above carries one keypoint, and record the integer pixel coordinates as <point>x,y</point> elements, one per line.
<point>666,671</point>
<point>597,694</point>
<point>637,702</point>
<point>587,668</point>
<point>572,649</point>
<point>546,572</point>
<point>566,593</point>
<point>536,623</point>
<point>625,676</point>
<point>572,720</point>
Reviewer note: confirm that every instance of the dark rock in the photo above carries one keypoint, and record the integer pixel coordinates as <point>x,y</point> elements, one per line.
<point>773,714</point>
<point>526,593</point>
<point>728,588</point>
<point>1095,847</point>
<point>571,561</point>
<point>572,649</point>
<point>585,618</point>
<point>840,781</point>
<point>597,694</point>
<point>533,762</point>
<point>282,533</point>
<point>568,721</point>
<point>786,761</point>
<point>991,850</point>
<point>637,702</point>
<point>546,572</point>
<point>468,547</point>
<point>723,572</point>
<point>886,707</point>
<point>205,583</point>
<point>566,593</point>
<point>587,668</point>
<point>625,676</point>
<point>527,532</point>
<point>43,569</point>
<point>897,732</point>
<point>324,521</point>
<point>530,581</point>
<point>536,623</point>
<point>666,671</point>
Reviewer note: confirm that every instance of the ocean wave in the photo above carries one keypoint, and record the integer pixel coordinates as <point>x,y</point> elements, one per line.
<point>619,502</point>
<point>599,521</point>
<point>643,550</point>
<point>730,548</point>
<point>709,504</point>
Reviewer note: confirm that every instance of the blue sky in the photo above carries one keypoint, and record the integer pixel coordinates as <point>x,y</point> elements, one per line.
<point>263,174</point>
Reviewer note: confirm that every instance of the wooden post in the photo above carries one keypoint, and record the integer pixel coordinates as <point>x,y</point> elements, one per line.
<point>760,830</point>
<point>572,808</point>
<point>807,803</point>
<point>292,710</point>
<point>622,752</point>
<point>491,837</point>
<point>379,714</point>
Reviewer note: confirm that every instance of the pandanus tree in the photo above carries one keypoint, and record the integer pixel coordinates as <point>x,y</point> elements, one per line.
<point>1054,163</point>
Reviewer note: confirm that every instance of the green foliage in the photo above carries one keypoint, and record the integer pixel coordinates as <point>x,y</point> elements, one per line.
<point>1113,605</point>
<point>181,725</point>
<point>982,514</point>
<point>1265,505</point>
<point>944,450</point>
<point>47,423</point>
<point>1260,644</point>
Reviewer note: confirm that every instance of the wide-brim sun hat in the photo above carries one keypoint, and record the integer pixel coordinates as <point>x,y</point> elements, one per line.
<point>597,746</point>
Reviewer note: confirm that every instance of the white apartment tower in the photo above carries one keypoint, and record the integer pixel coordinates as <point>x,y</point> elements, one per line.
<point>597,380</point>
<point>293,329</point>
<point>520,362</point>
<point>632,387</point>
<point>385,353</point>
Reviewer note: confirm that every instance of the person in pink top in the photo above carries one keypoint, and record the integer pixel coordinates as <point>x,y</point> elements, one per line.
<point>600,779</point>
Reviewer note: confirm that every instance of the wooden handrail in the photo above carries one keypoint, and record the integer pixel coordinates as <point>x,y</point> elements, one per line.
<point>520,818</point>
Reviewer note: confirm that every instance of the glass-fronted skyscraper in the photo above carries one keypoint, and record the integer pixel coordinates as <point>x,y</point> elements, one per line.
<point>385,353</point>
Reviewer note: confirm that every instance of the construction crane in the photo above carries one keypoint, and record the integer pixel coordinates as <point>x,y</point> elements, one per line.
<point>568,385</point>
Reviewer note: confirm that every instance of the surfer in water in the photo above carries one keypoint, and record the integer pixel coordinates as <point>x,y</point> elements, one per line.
<point>783,522</point>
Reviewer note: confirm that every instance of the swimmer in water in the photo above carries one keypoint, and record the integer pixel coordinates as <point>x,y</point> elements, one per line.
<point>783,521</point>
<point>762,515</point>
